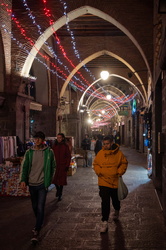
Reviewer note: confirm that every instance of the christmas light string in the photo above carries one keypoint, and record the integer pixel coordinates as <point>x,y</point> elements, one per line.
<point>109,108</point>
<point>109,113</point>
<point>106,115</point>
<point>23,32</point>
<point>32,17</point>
<point>43,56</point>
<point>48,14</point>
<point>51,50</point>
<point>104,122</point>
<point>32,44</point>
<point>73,42</point>
<point>20,45</point>
<point>106,119</point>
<point>76,52</point>
<point>100,124</point>
<point>54,72</point>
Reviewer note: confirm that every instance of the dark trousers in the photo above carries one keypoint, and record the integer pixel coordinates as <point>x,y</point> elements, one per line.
<point>106,193</point>
<point>38,199</point>
<point>59,189</point>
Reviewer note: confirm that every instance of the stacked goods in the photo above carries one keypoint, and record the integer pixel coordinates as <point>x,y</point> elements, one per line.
<point>9,180</point>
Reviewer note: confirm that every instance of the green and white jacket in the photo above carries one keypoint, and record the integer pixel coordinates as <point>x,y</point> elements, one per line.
<point>49,166</point>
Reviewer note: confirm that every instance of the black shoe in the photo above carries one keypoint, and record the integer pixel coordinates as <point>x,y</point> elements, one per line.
<point>57,193</point>
<point>59,198</point>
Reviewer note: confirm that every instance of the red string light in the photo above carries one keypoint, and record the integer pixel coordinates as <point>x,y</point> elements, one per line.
<point>47,14</point>
<point>23,33</point>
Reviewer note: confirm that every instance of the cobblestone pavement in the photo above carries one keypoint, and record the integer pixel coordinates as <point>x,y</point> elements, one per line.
<point>73,223</point>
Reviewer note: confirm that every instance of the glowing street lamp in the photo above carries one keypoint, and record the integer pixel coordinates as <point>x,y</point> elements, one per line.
<point>90,121</point>
<point>108,96</point>
<point>104,74</point>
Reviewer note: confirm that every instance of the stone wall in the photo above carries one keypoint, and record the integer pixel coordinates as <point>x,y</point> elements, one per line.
<point>45,121</point>
<point>8,116</point>
<point>159,108</point>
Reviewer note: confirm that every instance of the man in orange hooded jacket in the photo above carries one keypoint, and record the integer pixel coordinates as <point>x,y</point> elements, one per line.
<point>109,164</point>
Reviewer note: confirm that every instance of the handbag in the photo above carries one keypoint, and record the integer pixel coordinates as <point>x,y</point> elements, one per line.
<point>122,189</point>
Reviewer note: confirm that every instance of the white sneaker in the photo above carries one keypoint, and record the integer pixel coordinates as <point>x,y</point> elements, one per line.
<point>116,215</point>
<point>34,239</point>
<point>104,227</point>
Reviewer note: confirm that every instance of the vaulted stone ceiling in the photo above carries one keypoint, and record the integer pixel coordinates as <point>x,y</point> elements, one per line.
<point>89,36</point>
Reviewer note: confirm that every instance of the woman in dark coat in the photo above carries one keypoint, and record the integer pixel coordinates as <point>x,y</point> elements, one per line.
<point>98,145</point>
<point>63,158</point>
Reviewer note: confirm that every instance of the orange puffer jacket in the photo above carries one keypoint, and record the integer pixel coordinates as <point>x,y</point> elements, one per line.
<point>109,165</point>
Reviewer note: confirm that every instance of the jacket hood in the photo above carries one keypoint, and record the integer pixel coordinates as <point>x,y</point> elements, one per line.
<point>114,149</point>
<point>59,143</point>
<point>42,149</point>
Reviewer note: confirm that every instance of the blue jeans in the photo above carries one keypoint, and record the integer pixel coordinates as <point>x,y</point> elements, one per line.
<point>106,193</point>
<point>38,199</point>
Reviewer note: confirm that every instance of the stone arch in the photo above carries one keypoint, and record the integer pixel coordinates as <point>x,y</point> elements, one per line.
<point>71,16</point>
<point>93,56</point>
<point>125,79</point>
<point>113,105</point>
<point>88,101</point>
<point>2,66</point>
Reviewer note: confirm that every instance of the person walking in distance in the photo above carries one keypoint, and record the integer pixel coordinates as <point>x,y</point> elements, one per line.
<point>86,143</point>
<point>98,145</point>
<point>63,158</point>
<point>109,164</point>
<point>37,171</point>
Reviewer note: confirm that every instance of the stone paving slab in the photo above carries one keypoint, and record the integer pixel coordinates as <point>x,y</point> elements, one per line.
<point>73,223</point>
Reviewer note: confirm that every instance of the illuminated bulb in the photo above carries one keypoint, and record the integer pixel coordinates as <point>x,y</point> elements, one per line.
<point>108,97</point>
<point>89,120</point>
<point>103,111</point>
<point>104,74</point>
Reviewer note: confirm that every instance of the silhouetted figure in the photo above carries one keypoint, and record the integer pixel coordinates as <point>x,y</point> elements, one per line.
<point>98,145</point>
<point>63,158</point>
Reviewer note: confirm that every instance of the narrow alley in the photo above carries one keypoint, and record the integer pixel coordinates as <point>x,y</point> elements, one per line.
<point>73,223</point>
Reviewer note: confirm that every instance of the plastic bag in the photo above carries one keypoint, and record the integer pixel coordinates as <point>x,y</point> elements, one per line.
<point>122,189</point>
<point>89,159</point>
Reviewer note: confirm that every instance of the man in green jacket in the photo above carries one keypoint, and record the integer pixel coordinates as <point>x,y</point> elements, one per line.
<point>37,171</point>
